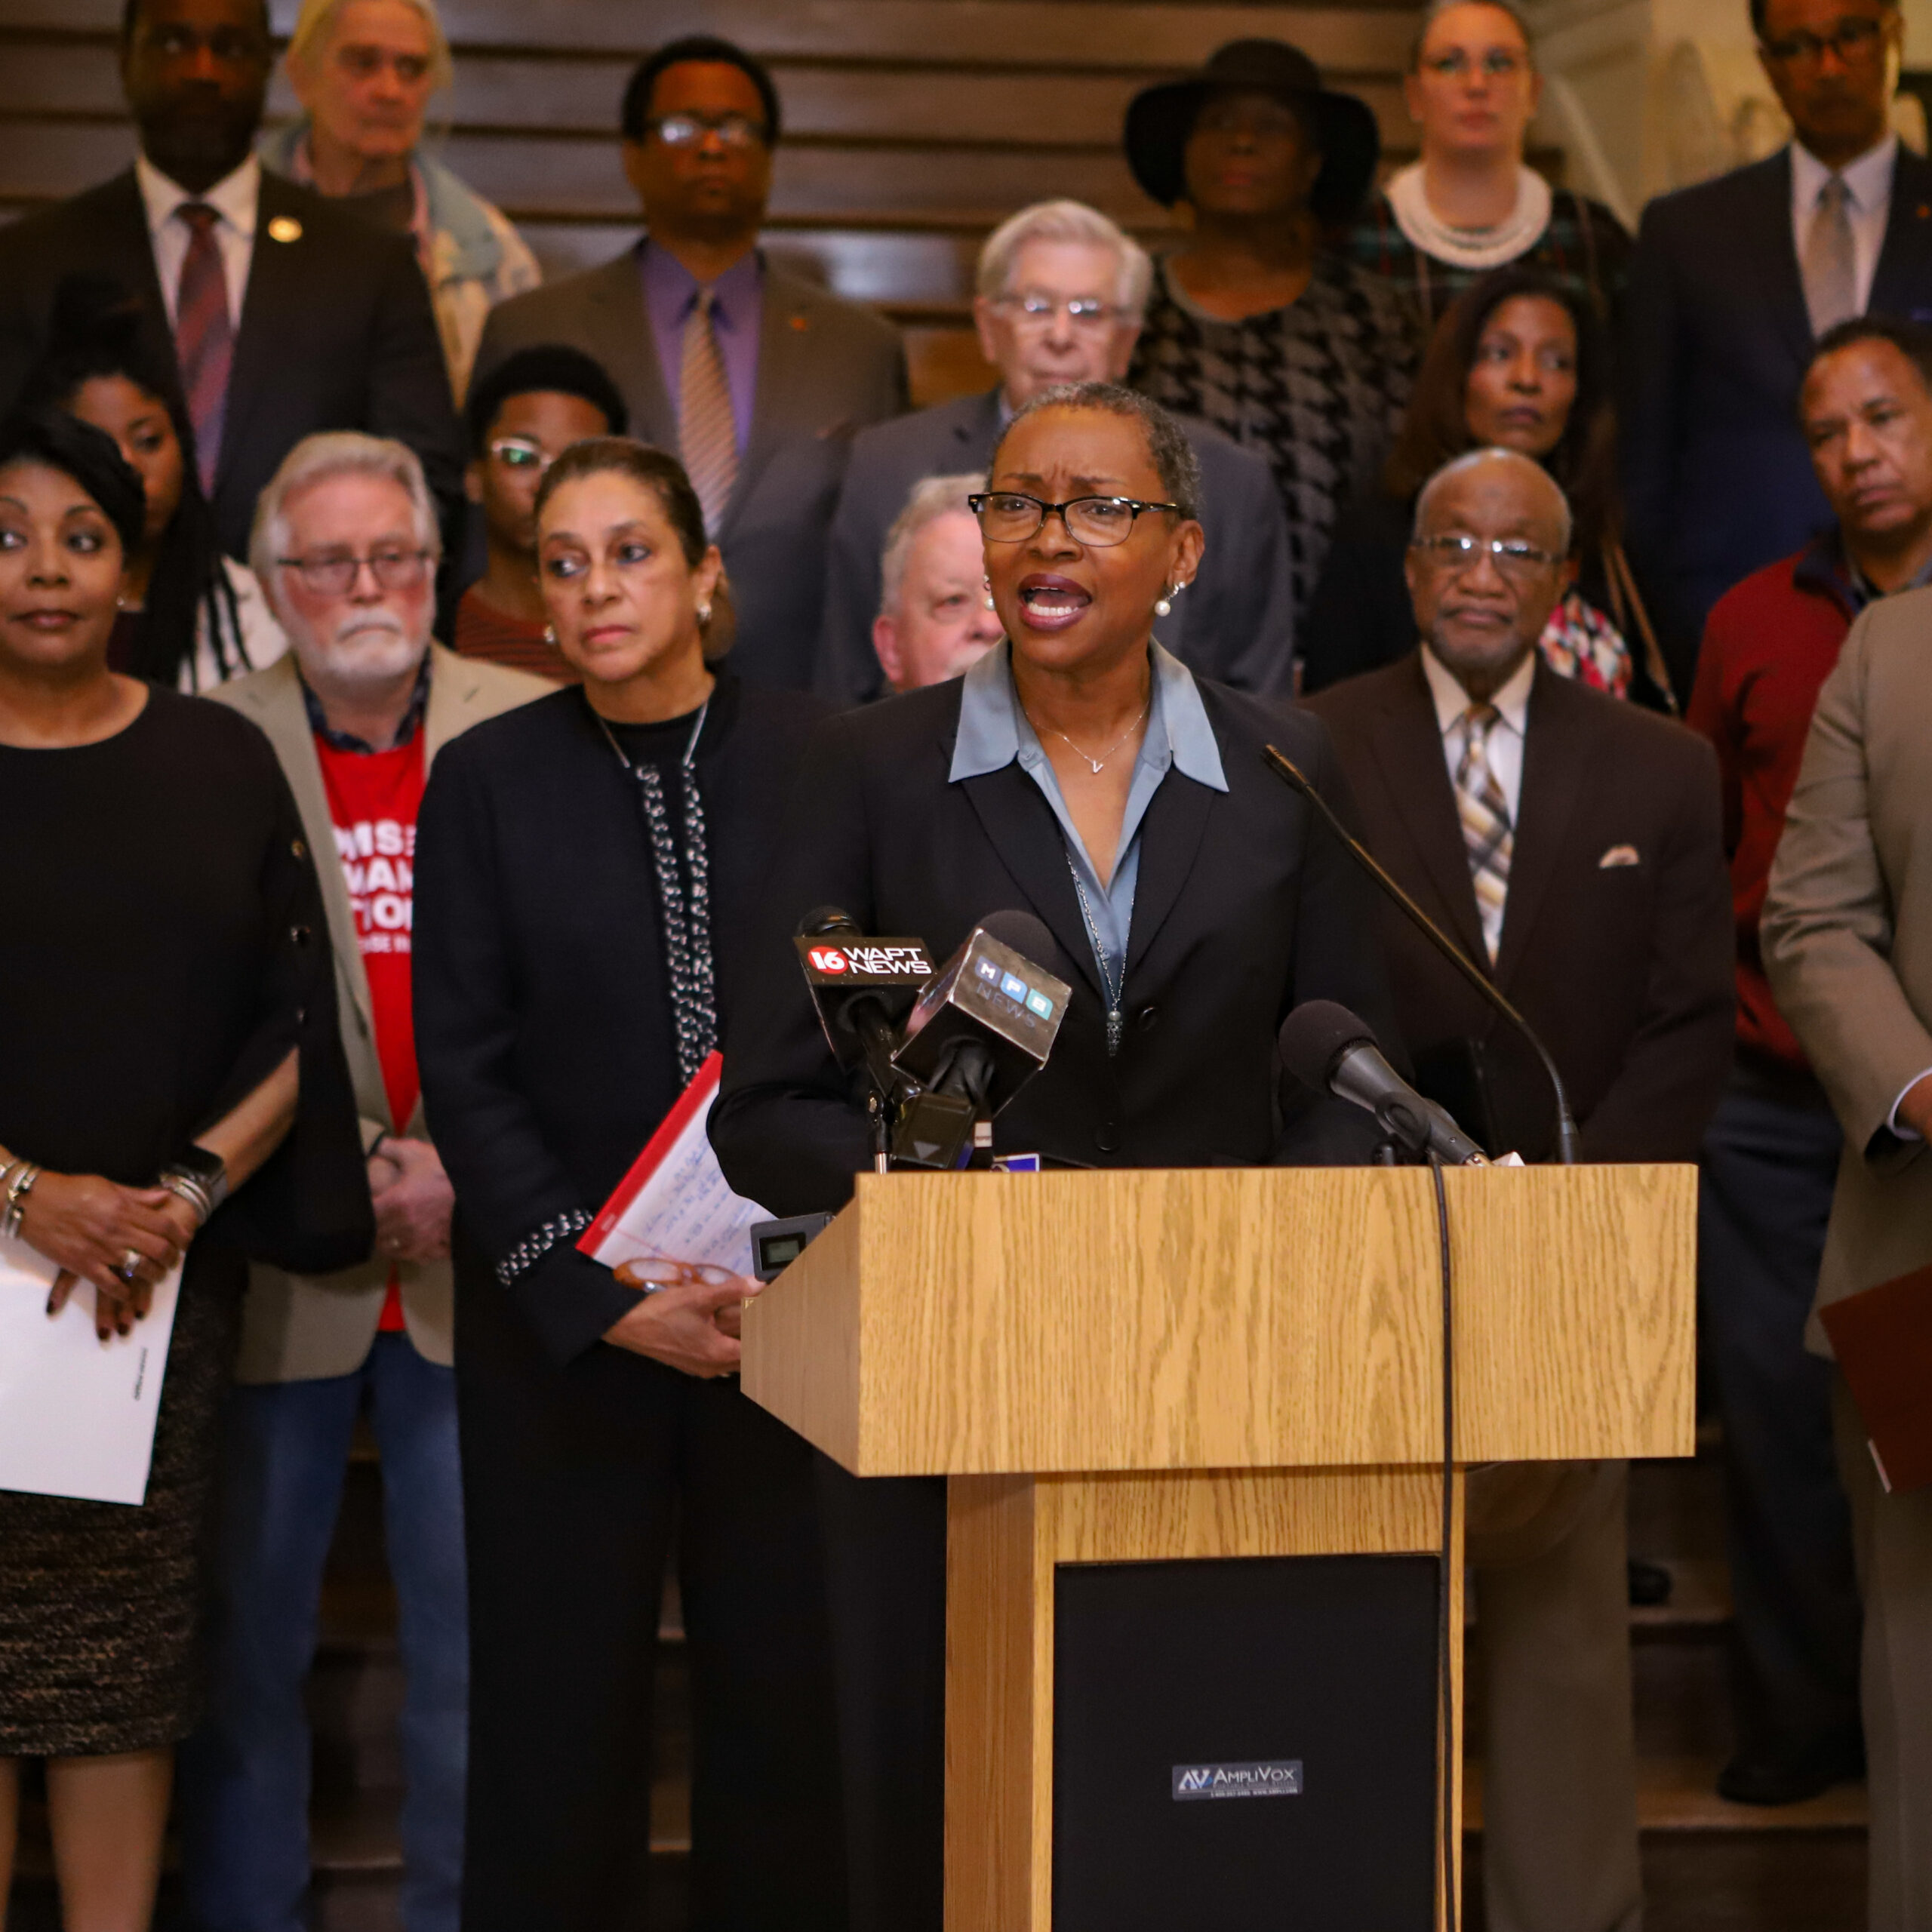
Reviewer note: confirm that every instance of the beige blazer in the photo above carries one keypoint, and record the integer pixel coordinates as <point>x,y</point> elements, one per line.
<point>297,1328</point>
<point>1848,934</point>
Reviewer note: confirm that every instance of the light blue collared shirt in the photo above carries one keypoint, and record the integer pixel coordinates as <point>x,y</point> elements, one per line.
<point>995,731</point>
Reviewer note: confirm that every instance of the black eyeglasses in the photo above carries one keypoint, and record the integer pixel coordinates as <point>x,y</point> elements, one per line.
<point>688,130</point>
<point>1854,38</point>
<point>1006,516</point>
<point>1511,554</point>
<point>333,573</point>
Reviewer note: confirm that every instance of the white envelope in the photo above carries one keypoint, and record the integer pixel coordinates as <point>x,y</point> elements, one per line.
<point>77,1414</point>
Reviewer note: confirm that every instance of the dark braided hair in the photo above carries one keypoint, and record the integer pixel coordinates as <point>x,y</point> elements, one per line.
<point>97,330</point>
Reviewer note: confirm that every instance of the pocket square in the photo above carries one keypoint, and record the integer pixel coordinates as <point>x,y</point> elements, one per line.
<point>1619,855</point>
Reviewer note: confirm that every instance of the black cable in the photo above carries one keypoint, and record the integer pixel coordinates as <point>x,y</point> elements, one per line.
<point>1451,1820</point>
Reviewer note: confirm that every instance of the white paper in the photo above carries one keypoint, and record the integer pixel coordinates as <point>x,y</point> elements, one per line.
<point>675,1204</point>
<point>77,1414</point>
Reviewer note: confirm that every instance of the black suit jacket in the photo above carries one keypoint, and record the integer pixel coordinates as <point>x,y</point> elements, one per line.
<point>1236,621</point>
<point>826,367</point>
<point>1624,970</point>
<point>1717,479</point>
<point>336,333</point>
<point>1244,908</point>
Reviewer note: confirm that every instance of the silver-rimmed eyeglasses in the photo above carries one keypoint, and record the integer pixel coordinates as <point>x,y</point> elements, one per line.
<point>1034,309</point>
<point>333,573</point>
<point>688,130</point>
<point>1009,516</point>
<point>1510,555</point>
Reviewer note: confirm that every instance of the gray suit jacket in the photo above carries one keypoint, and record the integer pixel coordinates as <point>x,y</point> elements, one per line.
<point>1236,623</point>
<point>297,1328</point>
<point>1848,935</point>
<point>826,368</point>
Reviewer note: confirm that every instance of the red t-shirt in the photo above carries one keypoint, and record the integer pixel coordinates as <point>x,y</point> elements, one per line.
<point>374,799</point>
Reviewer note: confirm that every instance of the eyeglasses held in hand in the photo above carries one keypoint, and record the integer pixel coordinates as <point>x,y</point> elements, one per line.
<point>1006,516</point>
<point>1499,63</point>
<point>334,574</point>
<point>1031,309</point>
<point>688,130</point>
<point>1855,37</point>
<point>1510,555</point>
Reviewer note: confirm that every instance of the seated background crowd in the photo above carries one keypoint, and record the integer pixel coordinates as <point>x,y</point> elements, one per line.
<point>1559,535</point>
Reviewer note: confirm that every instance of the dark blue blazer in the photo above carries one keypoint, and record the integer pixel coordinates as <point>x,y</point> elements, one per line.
<point>1717,480</point>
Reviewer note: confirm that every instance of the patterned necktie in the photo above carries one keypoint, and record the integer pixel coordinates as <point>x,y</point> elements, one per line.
<point>1484,812</point>
<point>707,430</point>
<point>204,337</point>
<point>1831,278</point>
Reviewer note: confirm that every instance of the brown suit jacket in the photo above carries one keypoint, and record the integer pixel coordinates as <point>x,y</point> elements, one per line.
<point>297,1328</point>
<point>1848,934</point>
<point>1624,969</point>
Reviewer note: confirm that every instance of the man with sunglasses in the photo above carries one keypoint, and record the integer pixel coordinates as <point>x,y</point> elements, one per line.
<point>529,410</point>
<point>345,536</point>
<point>1733,284</point>
<point>757,378</point>
<point>1571,845</point>
<point>1062,292</point>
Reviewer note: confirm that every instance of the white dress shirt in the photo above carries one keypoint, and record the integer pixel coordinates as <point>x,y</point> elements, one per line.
<point>1505,738</point>
<point>235,197</point>
<point>1868,183</point>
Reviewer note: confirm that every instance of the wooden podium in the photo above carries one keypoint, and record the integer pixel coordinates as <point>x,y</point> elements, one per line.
<point>1134,1366</point>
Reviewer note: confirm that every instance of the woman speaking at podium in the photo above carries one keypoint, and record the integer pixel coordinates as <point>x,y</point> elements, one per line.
<point>1079,772</point>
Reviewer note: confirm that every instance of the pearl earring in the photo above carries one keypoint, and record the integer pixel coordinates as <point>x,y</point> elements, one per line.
<point>987,599</point>
<point>550,635</point>
<point>1163,605</point>
<point>703,615</point>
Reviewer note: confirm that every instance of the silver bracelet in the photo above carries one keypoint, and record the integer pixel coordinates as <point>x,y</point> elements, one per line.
<point>538,1242</point>
<point>185,1187</point>
<point>17,1182</point>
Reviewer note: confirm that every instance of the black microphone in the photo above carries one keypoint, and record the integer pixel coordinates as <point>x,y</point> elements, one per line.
<point>983,1025</point>
<point>1327,1047</point>
<point>1284,768</point>
<point>861,989</point>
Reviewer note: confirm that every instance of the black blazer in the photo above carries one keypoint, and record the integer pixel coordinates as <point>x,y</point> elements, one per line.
<point>1244,908</point>
<point>543,1026</point>
<point>1717,480</point>
<point>1236,623</point>
<point>1624,970</point>
<point>336,333</point>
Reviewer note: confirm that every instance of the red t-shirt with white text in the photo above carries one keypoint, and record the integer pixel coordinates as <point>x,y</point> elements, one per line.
<point>374,799</point>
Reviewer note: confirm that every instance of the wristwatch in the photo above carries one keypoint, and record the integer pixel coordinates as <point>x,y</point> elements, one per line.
<point>200,1178</point>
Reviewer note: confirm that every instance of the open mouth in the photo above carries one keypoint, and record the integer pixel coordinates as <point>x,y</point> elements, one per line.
<point>1052,603</point>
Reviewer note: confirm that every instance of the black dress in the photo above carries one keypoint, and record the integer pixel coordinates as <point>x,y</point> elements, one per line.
<point>545,1032</point>
<point>162,953</point>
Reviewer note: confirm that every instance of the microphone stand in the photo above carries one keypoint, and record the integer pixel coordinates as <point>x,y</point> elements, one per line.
<point>1291,773</point>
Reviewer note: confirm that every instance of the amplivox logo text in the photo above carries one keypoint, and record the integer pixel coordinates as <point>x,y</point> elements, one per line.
<point>1271,1777</point>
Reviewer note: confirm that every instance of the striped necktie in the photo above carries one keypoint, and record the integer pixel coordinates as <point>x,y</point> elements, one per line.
<point>707,429</point>
<point>1484,812</point>
<point>204,337</point>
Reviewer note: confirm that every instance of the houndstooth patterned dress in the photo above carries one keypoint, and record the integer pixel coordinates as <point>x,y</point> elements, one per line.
<point>1318,388</point>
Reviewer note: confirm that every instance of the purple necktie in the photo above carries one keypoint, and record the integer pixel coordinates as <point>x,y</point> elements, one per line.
<point>204,337</point>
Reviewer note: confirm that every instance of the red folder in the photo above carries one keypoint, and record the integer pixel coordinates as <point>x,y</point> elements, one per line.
<point>1882,1337</point>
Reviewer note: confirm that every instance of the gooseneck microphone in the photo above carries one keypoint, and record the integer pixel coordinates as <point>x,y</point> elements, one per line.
<point>1286,769</point>
<point>1327,1047</point>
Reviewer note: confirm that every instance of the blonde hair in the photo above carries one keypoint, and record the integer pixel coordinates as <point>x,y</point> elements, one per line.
<point>314,23</point>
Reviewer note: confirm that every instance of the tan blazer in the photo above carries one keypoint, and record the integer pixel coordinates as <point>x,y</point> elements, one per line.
<point>1848,934</point>
<point>296,1328</point>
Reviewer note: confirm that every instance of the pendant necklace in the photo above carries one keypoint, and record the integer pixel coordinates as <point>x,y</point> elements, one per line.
<point>1097,765</point>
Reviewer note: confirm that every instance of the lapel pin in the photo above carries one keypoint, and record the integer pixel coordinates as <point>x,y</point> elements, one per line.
<point>286,228</point>
<point>1925,210</point>
<point>801,324</point>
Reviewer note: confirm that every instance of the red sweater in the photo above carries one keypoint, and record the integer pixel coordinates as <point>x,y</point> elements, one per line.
<point>1769,645</point>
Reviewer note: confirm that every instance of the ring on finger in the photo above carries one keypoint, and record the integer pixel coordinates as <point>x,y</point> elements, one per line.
<point>131,1263</point>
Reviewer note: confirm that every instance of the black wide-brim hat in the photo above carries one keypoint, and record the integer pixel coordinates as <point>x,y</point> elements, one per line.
<point>1160,119</point>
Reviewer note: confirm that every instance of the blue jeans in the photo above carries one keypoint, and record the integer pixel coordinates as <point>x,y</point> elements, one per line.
<point>244,1773</point>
